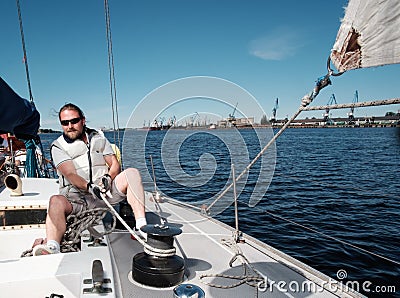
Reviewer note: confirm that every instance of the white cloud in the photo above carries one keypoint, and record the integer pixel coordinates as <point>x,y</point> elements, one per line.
<point>276,45</point>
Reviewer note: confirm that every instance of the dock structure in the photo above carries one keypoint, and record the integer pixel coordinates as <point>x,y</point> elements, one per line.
<point>372,121</point>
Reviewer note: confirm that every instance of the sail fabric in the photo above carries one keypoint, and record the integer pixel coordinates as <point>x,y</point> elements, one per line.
<point>18,115</point>
<point>369,35</point>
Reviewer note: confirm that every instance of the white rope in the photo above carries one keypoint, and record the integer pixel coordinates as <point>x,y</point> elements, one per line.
<point>148,249</point>
<point>320,83</point>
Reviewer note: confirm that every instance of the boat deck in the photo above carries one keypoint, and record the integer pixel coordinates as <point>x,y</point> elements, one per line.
<point>206,246</point>
<point>202,245</point>
<point>63,274</point>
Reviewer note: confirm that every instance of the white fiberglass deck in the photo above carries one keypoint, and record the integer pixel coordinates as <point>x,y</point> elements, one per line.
<point>203,252</point>
<point>36,192</point>
<point>43,276</point>
<point>200,245</point>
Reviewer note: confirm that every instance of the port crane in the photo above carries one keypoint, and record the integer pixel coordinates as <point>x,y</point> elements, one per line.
<point>232,118</point>
<point>351,113</point>
<point>332,100</point>
<point>193,119</point>
<point>276,106</point>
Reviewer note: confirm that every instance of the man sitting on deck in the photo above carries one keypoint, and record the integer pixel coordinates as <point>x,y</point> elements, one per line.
<point>84,159</point>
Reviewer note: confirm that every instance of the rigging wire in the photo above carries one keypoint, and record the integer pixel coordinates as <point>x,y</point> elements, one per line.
<point>320,83</point>
<point>306,100</point>
<point>32,162</point>
<point>24,50</point>
<point>325,235</point>
<point>113,89</point>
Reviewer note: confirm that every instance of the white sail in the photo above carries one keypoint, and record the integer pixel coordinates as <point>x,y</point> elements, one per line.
<point>369,35</point>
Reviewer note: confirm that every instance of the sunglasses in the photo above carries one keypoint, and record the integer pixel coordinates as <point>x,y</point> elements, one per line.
<point>72,121</point>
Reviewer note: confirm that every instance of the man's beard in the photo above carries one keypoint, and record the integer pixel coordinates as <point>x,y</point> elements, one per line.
<point>73,134</point>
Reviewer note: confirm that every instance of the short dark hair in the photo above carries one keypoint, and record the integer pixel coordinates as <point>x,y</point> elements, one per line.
<point>71,106</point>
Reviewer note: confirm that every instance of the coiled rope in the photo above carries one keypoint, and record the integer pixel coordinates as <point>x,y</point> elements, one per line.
<point>251,276</point>
<point>76,225</point>
<point>80,222</point>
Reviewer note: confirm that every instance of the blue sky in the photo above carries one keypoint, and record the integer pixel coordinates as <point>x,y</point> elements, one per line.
<point>272,49</point>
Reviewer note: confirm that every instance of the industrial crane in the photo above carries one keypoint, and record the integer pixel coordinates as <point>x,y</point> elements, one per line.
<point>231,117</point>
<point>193,119</point>
<point>273,117</point>
<point>331,101</point>
<point>351,113</point>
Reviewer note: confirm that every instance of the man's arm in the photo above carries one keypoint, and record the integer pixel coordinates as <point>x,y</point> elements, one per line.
<point>68,170</point>
<point>113,165</point>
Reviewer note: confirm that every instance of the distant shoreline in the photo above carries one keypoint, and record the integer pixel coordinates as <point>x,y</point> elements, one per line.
<point>270,126</point>
<point>303,123</point>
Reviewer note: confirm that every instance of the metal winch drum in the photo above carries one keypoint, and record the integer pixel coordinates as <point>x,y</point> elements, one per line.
<point>156,271</point>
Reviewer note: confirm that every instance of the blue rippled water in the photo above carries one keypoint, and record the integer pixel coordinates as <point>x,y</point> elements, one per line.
<point>331,190</point>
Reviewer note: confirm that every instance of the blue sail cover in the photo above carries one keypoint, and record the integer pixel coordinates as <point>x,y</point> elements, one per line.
<point>18,115</point>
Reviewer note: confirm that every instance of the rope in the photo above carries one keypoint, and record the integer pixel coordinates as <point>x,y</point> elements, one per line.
<point>113,89</point>
<point>250,276</point>
<point>76,224</point>
<point>80,222</point>
<point>147,248</point>
<point>24,50</point>
<point>158,252</point>
<point>305,101</point>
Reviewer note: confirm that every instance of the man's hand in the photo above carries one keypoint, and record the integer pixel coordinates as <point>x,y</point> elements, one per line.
<point>94,190</point>
<point>105,184</point>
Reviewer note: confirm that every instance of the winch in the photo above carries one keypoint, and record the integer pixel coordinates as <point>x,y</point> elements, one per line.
<point>154,267</point>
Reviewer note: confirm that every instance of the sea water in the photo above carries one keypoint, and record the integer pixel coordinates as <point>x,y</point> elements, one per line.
<point>328,196</point>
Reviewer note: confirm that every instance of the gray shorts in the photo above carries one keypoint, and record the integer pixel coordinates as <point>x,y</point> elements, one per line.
<point>81,201</point>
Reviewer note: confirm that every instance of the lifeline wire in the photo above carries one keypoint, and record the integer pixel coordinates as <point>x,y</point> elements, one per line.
<point>327,236</point>
<point>156,193</point>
